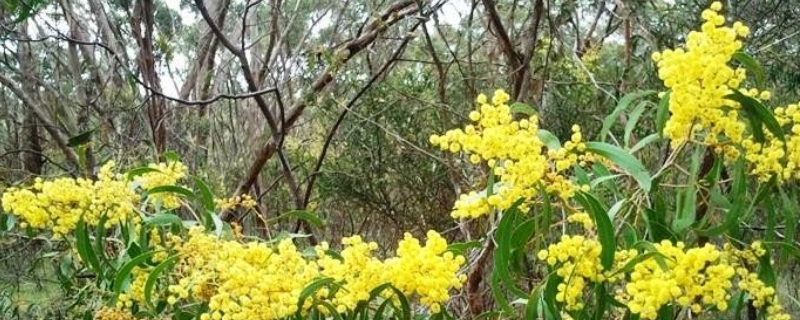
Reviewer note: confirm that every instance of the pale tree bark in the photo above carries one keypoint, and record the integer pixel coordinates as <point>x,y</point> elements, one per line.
<point>142,26</point>
<point>33,161</point>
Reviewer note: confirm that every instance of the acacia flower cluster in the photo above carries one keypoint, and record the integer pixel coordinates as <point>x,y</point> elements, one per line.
<point>254,280</point>
<point>59,205</point>
<point>576,260</point>
<point>700,80</point>
<point>242,201</point>
<point>700,279</point>
<point>515,153</point>
<point>163,174</point>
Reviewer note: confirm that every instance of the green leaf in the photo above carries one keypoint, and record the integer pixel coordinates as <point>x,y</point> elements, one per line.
<point>99,239</point>
<point>84,247</point>
<point>765,271</point>
<point>738,197</point>
<point>206,197</point>
<point>751,65</point>
<point>758,114</point>
<point>171,156</point>
<point>459,248</point>
<point>311,289</point>
<point>551,311</point>
<point>163,219</point>
<point>686,207</point>
<point>605,229</point>
<point>624,160</point>
<point>306,215</point>
<point>135,172</point>
<point>633,120</point>
<point>662,114</point>
<point>153,277</point>
<point>80,139</point>
<point>405,308</point>
<point>127,268</point>
<point>645,142</point>
<point>502,254</point>
<point>519,107</point>
<point>622,105</point>
<point>171,189</point>
<point>550,140</point>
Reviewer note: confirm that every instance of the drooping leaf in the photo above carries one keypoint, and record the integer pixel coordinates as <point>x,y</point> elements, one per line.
<point>126,269</point>
<point>550,140</point>
<point>751,65</point>
<point>80,139</point>
<point>306,215</point>
<point>633,121</point>
<point>523,108</point>
<point>163,219</point>
<point>605,230</point>
<point>662,115</point>
<point>622,105</point>
<point>171,189</point>
<point>759,115</point>
<point>84,247</point>
<point>154,275</point>
<point>624,160</point>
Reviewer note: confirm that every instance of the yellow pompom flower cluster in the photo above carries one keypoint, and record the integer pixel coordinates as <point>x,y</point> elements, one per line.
<point>243,201</point>
<point>106,313</point>
<point>427,272</point>
<point>515,152</point>
<point>577,262</point>
<point>58,205</point>
<point>699,78</point>
<point>356,255</point>
<point>763,295</point>
<point>164,174</point>
<point>254,280</point>
<point>775,157</point>
<point>697,278</point>
<point>240,280</point>
<point>360,272</point>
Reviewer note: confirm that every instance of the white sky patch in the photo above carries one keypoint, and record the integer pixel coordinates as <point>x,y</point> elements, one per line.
<point>452,12</point>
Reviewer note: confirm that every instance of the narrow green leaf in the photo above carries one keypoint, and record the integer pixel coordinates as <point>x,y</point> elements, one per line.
<point>153,277</point>
<point>622,105</point>
<point>135,172</point>
<point>751,65</point>
<point>306,215</point>
<point>206,197</point>
<point>310,290</point>
<point>662,115</point>
<point>127,268</point>
<point>765,271</point>
<point>633,121</point>
<point>502,254</point>
<point>550,140</point>
<point>85,250</point>
<point>738,197</point>
<point>645,142</point>
<point>171,189</point>
<point>171,156</point>
<point>519,107</point>
<point>80,139</point>
<point>163,219</point>
<point>624,160</point>
<point>605,229</point>
<point>755,110</point>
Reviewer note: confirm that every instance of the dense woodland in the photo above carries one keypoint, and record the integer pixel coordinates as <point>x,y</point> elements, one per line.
<point>326,107</point>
